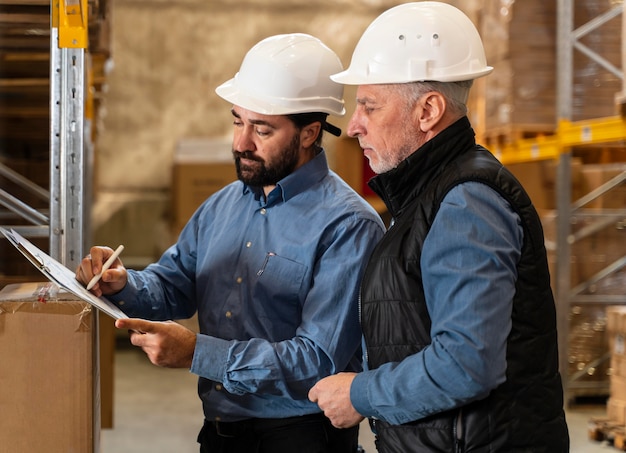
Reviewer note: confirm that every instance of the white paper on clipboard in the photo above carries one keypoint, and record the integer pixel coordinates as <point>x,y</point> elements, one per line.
<point>59,274</point>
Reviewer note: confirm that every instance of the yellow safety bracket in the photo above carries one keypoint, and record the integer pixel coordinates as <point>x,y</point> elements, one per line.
<point>70,17</point>
<point>592,132</point>
<point>529,149</point>
<point>597,131</point>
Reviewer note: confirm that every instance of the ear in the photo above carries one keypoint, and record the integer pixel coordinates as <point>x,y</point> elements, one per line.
<point>309,134</point>
<point>433,108</point>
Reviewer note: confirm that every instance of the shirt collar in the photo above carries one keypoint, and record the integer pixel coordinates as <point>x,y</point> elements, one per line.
<point>295,183</point>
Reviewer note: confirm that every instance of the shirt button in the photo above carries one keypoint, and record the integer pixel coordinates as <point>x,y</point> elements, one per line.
<point>218,387</point>
<point>263,211</point>
<point>248,244</point>
<point>229,314</point>
<point>239,279</point>
<point>218,418</point>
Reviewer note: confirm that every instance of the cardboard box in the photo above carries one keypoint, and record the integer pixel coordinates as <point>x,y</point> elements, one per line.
<point>201,168</point>
<point>521,91</point>
<point>539,179</point>
<point>618,388</point>
<point>618,361</point>
<point>49,398</point>
<point>592,253</point>
<point>616,327</point>
<point>595,176</point>
<point>616,410</point>
<point>353,167</point>
<point>348,162</point>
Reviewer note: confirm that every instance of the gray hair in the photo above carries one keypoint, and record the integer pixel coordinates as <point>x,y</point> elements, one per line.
<point>455,93</point>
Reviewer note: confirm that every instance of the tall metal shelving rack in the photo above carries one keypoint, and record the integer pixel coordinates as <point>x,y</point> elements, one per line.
<point>66,221</point>
<point>569,136</point>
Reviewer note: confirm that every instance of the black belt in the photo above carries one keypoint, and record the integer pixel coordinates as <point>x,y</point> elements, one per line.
<point>245,427</point>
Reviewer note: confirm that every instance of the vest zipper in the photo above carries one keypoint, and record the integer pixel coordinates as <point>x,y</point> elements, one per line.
<point>458,433</point>
<point>363,344</point>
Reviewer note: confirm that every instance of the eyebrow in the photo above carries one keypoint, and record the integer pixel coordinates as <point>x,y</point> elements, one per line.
<point>253,121</point>
<point>365,100</point>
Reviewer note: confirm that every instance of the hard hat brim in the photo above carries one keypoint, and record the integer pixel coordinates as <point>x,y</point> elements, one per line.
<point>231,92</point>
<point>349,77</point>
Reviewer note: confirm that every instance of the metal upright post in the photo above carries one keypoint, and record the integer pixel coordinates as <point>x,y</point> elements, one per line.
<point>68,41</point>
<point>68,153</point>
<point>565,80</point>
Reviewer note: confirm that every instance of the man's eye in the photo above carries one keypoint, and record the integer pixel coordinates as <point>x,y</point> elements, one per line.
<point>262,132</point>
<point>237,123</point>
<point>368,108</point>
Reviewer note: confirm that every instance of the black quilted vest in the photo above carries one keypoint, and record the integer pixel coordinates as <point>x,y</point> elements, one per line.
<point>524,414</point>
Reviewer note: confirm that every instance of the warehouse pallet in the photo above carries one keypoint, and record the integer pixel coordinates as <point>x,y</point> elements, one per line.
<point>607,430</point>
<point>496,137</point>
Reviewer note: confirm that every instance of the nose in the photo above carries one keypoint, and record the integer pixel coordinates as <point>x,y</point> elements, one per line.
<point>355,126</point>
<point>242,139</point>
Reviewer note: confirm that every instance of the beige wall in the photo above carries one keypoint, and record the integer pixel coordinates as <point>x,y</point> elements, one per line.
<point>167,59</point>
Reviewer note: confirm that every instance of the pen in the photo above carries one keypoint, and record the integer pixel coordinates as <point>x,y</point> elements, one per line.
<point>105,266</point>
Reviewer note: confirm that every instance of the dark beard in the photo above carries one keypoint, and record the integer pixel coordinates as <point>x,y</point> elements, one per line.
<point>261,175</point>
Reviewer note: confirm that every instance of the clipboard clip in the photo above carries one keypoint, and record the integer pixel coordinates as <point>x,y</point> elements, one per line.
<point>35,259</point>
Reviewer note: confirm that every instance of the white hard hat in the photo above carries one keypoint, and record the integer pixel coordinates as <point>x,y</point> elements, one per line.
<point>286,74</point>
<point>420,41</point>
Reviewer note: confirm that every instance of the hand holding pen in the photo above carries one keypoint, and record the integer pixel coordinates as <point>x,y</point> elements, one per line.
<point>102,271</point>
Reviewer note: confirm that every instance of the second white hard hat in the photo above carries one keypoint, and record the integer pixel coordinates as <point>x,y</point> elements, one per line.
<point>286,74</point>
<point>417,41</point>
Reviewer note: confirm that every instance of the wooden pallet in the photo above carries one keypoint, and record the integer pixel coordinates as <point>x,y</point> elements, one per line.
<point>496,137</point>
<point>607,430</point>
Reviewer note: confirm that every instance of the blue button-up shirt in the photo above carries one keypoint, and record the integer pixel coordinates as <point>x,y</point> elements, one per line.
<point>469,270</point>
<point>275,282</point>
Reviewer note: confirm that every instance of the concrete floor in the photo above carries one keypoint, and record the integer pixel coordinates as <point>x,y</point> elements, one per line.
<point>157,410</point>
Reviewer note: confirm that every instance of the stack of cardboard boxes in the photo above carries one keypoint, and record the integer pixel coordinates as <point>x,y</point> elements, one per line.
<point>49,379</point>
<point>519,40</point>
<point>616,326</point>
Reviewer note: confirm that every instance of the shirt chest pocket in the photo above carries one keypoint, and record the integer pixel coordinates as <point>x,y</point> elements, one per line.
<point>280,283</point>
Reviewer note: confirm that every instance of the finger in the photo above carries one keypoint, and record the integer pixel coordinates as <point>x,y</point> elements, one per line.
<point>138,325</point>
<point>139,339</point>
<point>83,271</point>
<point>313,397</point>
<point>99,255</point>
<point>112,275</point>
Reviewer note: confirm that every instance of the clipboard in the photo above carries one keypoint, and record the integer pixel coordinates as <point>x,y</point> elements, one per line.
<point>59,274</point>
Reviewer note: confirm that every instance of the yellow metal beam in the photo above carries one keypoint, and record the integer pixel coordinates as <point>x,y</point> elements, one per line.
<point>569,134</point>
<point>70,17</point>
<point>592,132</point>
<point>530,149</point>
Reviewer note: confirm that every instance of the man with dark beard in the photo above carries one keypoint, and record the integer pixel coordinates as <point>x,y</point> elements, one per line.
<point>271,263</point>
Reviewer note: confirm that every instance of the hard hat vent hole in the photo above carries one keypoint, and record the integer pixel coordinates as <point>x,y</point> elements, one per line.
<point>435,40</point>
<point>401,37</point>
